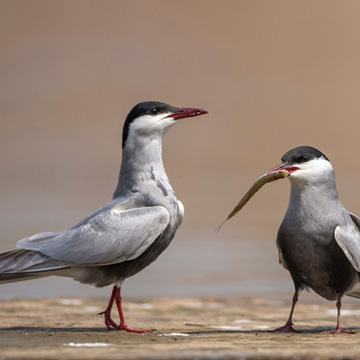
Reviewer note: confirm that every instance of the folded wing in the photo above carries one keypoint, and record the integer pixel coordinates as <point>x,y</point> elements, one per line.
<point>348,238</point>
<point>110,237</point>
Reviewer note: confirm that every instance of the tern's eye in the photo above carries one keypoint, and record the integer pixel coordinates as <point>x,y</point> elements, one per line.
<point>303,158</point>
<point>154,111</point>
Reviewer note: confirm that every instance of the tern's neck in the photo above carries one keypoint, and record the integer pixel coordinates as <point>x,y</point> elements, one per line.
<point>141,161</point>
<point>314,197</point>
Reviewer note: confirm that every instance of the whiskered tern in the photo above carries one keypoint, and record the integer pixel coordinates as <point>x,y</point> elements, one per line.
<point>318,240</point>
<point>128,233</point>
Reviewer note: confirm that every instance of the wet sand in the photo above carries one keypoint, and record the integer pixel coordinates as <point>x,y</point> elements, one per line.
<point>187,328</point>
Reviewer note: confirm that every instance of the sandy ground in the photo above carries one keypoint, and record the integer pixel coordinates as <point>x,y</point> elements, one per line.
<point>197,328</point>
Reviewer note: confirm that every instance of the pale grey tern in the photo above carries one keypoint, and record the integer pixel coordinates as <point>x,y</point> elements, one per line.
<point>128,233</point>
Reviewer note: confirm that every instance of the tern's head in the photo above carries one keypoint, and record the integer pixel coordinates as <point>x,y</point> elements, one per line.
<point>306,164</point>
<point>151,119</point>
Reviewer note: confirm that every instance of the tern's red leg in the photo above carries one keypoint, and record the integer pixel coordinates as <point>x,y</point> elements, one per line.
<point>338,330</point>
<point>109,322</point>
<point>123,325</point>
<point>288,327</point>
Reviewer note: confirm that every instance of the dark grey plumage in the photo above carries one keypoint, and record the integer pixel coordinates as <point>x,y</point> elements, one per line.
<point>318,240</point>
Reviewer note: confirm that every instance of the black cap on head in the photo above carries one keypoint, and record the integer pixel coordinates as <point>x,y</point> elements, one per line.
<point>145,108</point>
<point>302,154</point>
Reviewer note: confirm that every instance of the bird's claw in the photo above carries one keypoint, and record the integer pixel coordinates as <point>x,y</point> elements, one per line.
<point>287,328</point>
<point>110,323</point>
<point>130,329</point>
<point>338,331</point>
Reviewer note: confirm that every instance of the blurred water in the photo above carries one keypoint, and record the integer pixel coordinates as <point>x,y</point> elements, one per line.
<point>71,73</point>
<point>197,263</point>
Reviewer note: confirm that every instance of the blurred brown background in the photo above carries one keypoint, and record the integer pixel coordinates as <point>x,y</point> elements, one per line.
<point>272,74</point>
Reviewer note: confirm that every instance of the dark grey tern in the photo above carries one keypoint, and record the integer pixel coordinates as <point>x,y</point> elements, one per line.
<point>318,240</point>
<point>128,233</point>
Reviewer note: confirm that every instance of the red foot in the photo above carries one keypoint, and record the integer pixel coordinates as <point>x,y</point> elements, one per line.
<point>287,328</point>
<point>109,322</point>
<point>130,329</point>
<point>338,331</point>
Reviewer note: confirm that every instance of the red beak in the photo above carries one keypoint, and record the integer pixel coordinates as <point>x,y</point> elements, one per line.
<point>289,169</point>
<point>187,112</point>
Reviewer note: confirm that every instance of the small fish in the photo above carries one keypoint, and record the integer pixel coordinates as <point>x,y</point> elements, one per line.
<point>256,186</point>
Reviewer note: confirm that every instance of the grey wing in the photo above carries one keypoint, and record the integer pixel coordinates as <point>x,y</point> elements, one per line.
<point>348,238</point>
<point>109,237</point>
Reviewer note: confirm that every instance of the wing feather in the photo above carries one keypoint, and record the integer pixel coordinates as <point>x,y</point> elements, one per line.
<point>348,238</point>
<point>109,237</point>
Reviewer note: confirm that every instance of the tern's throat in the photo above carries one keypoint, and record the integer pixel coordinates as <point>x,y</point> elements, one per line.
<point>311,198</point>
<point>143,158</point>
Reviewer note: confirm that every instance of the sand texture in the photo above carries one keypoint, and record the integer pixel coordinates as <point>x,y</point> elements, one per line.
<point>198,328</point>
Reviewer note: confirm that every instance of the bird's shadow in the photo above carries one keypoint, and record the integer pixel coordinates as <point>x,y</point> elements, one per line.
<point>54,330</point>
<point>316,330</point>
<point>27,329</point>
<point>219,332</point>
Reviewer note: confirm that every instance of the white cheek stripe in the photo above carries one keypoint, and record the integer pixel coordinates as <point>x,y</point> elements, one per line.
<point>314,169</point>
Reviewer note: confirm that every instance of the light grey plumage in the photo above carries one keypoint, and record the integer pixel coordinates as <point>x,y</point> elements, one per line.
<point>318,240</point>
<point>125,235</point>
